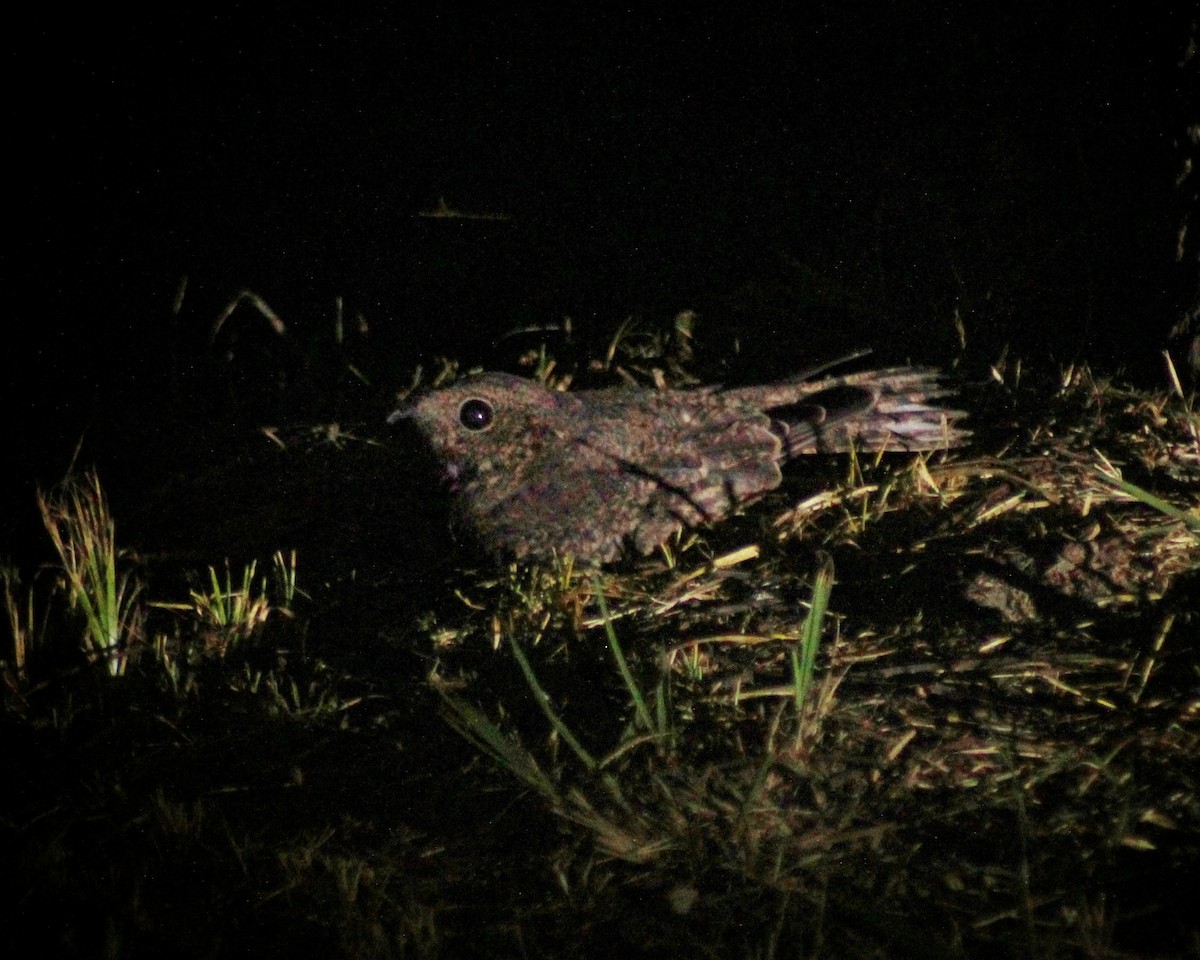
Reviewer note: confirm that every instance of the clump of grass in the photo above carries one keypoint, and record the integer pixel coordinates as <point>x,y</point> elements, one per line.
<point>231,611</point>
<point>227,613</point>
<point>26,632</point>
<point>99,586</point>
<point>104,596</point>
<point>634,809</point>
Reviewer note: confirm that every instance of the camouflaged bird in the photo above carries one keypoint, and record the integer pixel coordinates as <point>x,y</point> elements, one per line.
<point>533,472</point>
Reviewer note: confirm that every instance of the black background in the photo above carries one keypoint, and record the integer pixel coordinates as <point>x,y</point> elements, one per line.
<point>810,177</point>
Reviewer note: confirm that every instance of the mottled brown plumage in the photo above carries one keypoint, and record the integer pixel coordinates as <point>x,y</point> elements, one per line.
<point>533,472</point>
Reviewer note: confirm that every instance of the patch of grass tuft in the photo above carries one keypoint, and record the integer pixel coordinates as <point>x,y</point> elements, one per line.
<point>99,586</point>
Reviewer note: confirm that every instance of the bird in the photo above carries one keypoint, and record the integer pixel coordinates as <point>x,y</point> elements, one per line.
<point>534,472</point>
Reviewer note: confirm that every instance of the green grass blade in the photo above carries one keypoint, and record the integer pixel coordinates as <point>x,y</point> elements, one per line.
<point>635,692</point>
<point>543,701</point>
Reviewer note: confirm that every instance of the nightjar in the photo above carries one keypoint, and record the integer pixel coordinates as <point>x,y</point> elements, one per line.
<point>533,472</point>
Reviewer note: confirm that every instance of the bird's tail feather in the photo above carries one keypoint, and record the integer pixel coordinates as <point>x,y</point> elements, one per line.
<point>877,410</point>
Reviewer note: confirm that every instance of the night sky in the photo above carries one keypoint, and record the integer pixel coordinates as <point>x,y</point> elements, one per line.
<point>818,180</point>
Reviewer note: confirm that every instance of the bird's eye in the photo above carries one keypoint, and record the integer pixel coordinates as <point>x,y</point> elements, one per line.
<point>475,414</point>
